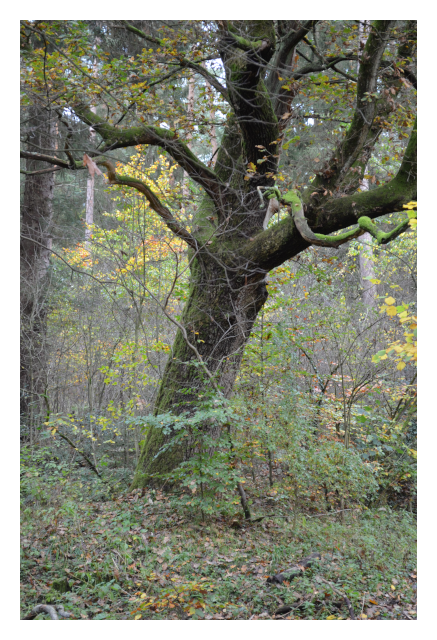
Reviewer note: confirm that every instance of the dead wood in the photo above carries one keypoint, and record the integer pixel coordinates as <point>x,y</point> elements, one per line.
<point>51,610</point>
<point>294,570</point>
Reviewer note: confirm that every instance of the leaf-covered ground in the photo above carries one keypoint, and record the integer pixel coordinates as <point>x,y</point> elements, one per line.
<point>128,556</point>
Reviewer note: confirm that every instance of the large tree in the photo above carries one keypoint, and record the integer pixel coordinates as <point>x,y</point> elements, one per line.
<point>262,73</point>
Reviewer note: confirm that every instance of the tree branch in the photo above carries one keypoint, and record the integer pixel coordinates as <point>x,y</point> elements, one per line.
<point>365,109</point>
<point>42,157</point>
<point>284,55</point>
<point>383,238</point>
<point>292,200</point>
<point>183,62</point>
<point>245,67</point>
<point>116,138</point>
<point>272,247</point>
<point>153,200</point>
<point>51,610</point>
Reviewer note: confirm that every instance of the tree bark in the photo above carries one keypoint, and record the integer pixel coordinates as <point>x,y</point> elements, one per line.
<point>218,319</point>
<point>35,246</point>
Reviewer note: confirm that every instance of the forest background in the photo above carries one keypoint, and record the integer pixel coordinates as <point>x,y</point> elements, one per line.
<point>325,445</point>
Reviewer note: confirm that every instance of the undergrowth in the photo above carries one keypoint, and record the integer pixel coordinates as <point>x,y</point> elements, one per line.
<point>106,554</point>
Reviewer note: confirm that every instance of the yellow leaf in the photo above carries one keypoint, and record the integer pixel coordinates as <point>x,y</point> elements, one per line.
<point>392,587</point>
<point>401,365</point>
<point>391,311</point>
<point>137,617</point>
<point>389,300</point>
<point>410,205</point>
<point>331,617</point>
<point>375,281</point>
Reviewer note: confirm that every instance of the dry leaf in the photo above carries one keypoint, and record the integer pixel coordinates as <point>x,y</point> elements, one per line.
<point>91,165</point>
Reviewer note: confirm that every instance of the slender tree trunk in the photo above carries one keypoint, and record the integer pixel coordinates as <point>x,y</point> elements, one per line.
<point>213,132</point>
<point>365,260</point>
<point>190,108</point>
<point>89,214</point>
<point>89,211</point>
<point>366,263</point>
<point>35,245</point>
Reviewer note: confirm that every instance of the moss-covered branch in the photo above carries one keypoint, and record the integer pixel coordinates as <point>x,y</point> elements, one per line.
<point>365,110</point>
<point>383,238</point>
<point>273,246</point>
<point>284,54</point>
<point>293,200</point>
<point>248,95</point>
<point>117,138</point>
<point>261,35</point>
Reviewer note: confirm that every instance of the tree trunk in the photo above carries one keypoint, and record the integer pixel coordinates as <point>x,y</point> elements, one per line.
<point>365,260</point>
<point>190,107</point>
<point>367,271</point>
<point>218,319</point>
<point>89,210</point>
<point>35,245</point>
<point>89,214</point>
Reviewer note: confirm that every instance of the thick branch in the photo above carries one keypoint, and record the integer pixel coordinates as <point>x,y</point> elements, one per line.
<point>272,247</point>
<point>293,201</point>
<point>154,202</point>
<point>284,55</point>
<point>365,109</point>
<point>247,92</point>
<point>116,138</point>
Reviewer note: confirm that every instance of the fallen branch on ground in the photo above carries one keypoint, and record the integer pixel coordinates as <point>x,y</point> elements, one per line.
<point>52,611</point>
<point>294,570</point>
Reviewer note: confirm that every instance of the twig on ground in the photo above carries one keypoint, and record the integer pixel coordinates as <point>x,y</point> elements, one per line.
<point>345,598</point>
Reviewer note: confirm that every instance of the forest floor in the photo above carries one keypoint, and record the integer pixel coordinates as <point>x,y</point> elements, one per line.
<point>129,557</point>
